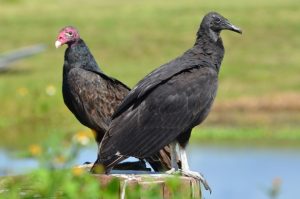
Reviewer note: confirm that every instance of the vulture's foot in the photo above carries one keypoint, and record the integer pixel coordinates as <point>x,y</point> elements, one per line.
<point>86,166</point>
<point>197,176</point>
<point>172,171</point>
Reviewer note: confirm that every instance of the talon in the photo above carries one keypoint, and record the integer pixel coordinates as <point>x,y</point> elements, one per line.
<point>171,171</point>
<point>193,174</point>
<point>206,186</point>
<point>197,176</point>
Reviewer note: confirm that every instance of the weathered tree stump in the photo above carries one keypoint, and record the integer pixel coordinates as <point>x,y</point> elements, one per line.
<point>166,186</point>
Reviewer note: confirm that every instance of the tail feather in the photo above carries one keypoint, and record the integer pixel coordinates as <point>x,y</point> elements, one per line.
<point>161,161</point>
<point>106,165</point>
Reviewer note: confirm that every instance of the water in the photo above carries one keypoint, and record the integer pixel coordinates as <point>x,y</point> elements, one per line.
<point>11,165</point>
<point>232,172</point>
<point>246,172</point>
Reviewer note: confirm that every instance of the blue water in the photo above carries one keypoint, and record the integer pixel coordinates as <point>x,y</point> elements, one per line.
<point>246,172</point>
<point>232,172</point>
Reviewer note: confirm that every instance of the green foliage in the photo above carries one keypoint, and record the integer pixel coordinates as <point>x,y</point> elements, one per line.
<point>111,190</point>
<point>174,186</point>
<point>44,183</point>
<point>57,178</point>
<point>54,178</point>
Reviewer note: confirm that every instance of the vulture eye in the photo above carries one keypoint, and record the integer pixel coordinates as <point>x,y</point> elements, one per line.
<point>69,33</point>
<point>217,20</point>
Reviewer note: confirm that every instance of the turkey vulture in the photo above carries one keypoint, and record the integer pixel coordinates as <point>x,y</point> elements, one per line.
<point>164,107</point>
<point>91,95</point>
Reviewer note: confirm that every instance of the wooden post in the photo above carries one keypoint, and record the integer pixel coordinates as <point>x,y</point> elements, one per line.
<point>185,187</point>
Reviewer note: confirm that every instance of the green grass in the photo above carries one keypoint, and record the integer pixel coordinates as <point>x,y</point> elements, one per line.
<point>131,38</point>
<point>243,135</point>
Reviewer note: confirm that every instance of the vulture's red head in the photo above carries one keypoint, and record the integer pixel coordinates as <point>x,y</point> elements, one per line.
<point>68,35</point>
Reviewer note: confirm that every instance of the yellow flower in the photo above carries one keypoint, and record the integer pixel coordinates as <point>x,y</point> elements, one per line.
<point>60,159</point>
<point>94,133</point>
<point>82,137</point>
<point>50,90</point>
<point>35,150</point>
<point>77,171</point>
<point>22,91</point>
<point>98,168</point>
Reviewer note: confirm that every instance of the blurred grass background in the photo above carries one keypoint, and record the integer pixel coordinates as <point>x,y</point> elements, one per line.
<point>258,97</point>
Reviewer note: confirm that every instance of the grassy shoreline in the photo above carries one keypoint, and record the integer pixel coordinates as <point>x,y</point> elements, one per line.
<point>207,135</point>
<point>241,136</point>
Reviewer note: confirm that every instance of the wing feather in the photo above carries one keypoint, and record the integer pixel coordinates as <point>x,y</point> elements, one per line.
<point>159,76</point>
<point>95,97</point>
<point>169,110</point>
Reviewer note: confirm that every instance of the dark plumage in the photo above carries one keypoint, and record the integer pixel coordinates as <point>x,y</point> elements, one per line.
<point>91,95</point>
<point>165,105</point>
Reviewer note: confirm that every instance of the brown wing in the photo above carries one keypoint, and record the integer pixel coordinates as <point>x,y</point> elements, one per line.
<point>92,98</point>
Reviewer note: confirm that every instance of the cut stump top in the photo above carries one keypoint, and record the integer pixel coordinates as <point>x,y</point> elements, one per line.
<point>164,185</point>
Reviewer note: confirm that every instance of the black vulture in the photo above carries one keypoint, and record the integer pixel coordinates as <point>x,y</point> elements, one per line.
<point>164,107</point>
<point>91,95</point>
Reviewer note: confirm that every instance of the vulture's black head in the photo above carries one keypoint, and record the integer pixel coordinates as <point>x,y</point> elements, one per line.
<point>67,35</point>
<point>213,23</point>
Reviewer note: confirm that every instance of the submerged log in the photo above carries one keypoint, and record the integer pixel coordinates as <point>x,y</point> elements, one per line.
<point>158,185</point>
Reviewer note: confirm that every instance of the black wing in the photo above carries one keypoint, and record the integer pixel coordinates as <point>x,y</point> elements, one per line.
<point>160,75</point>
<point>93,97</point>
<point>173,107</point>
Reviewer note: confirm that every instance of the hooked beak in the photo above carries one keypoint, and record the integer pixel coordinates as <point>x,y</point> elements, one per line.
<point>233,28</point>
<point>58,44</point>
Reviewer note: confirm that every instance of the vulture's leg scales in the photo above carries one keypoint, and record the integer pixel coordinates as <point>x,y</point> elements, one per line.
<point>173,154</point>
<point>187,172</point>
<point>185,166</point>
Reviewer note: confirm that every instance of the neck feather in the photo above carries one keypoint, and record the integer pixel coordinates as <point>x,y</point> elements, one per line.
<point>79,55</point>
<point>209,47</point>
